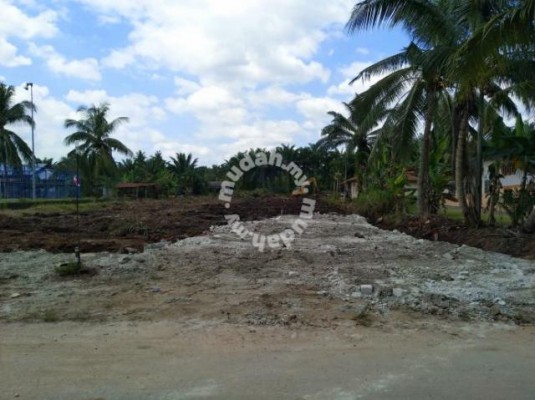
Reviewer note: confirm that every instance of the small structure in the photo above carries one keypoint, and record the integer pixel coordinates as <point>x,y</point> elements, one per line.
<point>412,180</point>
<point>138,190</point>
<point>511,177</point>
<point>351,187</point>
<point>213,186</point>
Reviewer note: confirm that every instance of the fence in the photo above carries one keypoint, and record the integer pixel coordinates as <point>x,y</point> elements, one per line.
<point>17,184</point>
<point>13,188</point>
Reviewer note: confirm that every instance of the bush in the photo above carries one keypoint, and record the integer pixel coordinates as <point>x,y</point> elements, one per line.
<point>69,269</point>
<point>50,316</point>
<point>376,203</point>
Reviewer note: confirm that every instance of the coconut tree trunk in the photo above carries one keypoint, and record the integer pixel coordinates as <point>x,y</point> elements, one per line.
<point>529,224</point>
<point>479,159</point>
<point>492,208</point>
<point>524,181</point>
<point>459,167</point>
<point>5,172</point>
<point>423,173</point>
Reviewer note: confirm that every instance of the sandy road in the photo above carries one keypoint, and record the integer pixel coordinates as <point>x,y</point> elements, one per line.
<point>178,360</point>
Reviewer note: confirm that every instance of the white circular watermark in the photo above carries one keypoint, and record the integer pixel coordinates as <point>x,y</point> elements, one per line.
<point>277,240</point>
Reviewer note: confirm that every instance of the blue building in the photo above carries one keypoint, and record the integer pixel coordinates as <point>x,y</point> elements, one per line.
<point>16,183</point>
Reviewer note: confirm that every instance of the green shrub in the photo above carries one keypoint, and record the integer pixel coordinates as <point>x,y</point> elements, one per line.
<point>50,316</point>
<point>69,269</point>
<point>375,203</point>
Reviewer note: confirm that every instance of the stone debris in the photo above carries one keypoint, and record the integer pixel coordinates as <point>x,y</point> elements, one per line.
<point>388,270</point>
<point>366,289</point>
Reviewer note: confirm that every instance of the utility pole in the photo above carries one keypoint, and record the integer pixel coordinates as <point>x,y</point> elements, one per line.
<point>30,85</point>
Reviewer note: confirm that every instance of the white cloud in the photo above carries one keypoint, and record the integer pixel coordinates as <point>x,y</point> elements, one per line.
<point>87,68</point>
<point>185,86</point>
<point>363,51</point>
<point>9,56</point>
<point>240,43</point>
<point>49,118</point>
<point>17,24</point>
<point>315,109</point>
<point>237,68</point>
<point>274,96</point>
<point>213,105</point>
<point>261,134</point>
<point>349,72</point>
<point>144,112</point>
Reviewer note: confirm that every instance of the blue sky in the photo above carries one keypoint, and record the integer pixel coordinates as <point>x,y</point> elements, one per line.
<point>210,77</point>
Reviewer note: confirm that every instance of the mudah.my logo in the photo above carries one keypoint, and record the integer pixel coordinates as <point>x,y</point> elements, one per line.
<point>260,241</point>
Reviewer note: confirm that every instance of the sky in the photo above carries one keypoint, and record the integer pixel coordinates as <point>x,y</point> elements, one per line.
<point>207,77</point>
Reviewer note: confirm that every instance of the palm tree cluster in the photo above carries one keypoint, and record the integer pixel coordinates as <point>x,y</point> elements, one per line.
<point>468,67</point>
<point>181,175</point>
<point>326,165</point>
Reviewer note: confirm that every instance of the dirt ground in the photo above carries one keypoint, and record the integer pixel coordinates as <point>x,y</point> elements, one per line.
<point>498,239</point>
<point>117,225</point>
<point>318,280</point>
<point>346,311</point>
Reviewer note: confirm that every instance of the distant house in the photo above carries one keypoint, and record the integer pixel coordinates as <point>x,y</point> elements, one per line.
<point>138,190</point>
<point>16,183</point>
<point>350,187</point>
<point>412,180</point>
<point>511,179</point>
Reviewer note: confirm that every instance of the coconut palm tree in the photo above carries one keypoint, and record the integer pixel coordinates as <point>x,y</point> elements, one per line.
<point>443,45</point>
<point>487,69</point>
<point>94,143</point>
<point>183,166</point>
<point>13,149</point>
<point>406,96</point>
<point>421,65</point>
<point>344,131</point>
<point>183,163</point>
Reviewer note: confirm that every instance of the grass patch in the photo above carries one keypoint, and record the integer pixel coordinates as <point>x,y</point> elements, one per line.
<point>69,269</point>
<point>50,316</point>
<point>455,213</point>
<point>25,207</point>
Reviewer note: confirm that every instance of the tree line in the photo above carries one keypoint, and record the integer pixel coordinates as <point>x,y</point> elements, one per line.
<point>440,107</point>
<point>94,147</point>
<point>441,104</point>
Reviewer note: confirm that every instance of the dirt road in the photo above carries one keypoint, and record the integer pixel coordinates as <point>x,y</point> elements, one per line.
<point>173,360</point>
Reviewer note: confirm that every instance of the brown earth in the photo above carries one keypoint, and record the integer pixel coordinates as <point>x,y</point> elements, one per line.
<point>500,240</point>
<point>132,224</point>
<point>119,225</point>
